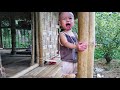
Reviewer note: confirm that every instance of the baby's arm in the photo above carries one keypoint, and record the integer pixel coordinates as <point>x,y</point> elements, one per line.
<point>65,43</point>
<point>81,46</point>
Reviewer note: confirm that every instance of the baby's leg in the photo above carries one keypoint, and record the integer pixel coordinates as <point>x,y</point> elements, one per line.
<point>68,70</point>
<point>69,76</point>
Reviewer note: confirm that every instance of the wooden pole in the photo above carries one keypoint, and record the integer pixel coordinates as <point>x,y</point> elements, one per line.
<point>1,46</point>
<point>13,33</point>
<point>33,38</point>
<point>40,34</point>
<point>91,45</point>
<point>83,26</point>
<point>37,35</point>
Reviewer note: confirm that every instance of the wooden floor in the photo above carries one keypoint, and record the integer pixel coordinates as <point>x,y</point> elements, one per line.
<point>15,64</point>
<point>47,71</point>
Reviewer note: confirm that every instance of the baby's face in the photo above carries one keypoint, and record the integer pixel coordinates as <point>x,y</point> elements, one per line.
<point>66,20</point>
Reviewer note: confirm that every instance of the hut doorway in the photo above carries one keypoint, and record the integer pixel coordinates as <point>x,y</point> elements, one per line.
<point>16,41</point>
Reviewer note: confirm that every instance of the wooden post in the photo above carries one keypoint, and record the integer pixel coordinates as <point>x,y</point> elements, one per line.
<point>37,37</point>
<point>83,26</point>
<point>91,45</point>
<point>33,38</point>
<point>1,46</point>
<point>40,34</point>
<point>13,33</point>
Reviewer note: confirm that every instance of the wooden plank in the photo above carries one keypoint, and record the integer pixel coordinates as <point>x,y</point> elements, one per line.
<point>46,71</point>
<point>58,74</point>
<point>53,71</point>
<point>36,71</point>
<point>25,71</point>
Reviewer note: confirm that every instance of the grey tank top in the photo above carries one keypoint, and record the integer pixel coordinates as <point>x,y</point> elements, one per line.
<point>67,53</point>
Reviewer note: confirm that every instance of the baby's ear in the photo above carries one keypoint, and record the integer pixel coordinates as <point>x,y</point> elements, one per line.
<point>59,23</point>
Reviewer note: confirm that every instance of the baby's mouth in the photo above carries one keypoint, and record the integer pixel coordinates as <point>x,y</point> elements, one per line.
<point>68,25</point>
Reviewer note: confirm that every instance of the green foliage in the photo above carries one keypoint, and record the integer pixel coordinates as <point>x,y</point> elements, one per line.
<point>108,32</point>
<point>98,53</point>
<point>6,37</point>
<point>75,28</point>
<point>23,39</point>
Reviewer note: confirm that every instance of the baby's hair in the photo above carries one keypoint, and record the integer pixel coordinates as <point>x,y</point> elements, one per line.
<point>60,14</point>
<point>63,12</point>
<point>61,29</point>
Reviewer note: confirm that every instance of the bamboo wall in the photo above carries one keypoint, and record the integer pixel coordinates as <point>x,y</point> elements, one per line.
<point>50,34</point>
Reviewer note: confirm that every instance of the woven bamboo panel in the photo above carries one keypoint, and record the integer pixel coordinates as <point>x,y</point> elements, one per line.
<point>50,34</point>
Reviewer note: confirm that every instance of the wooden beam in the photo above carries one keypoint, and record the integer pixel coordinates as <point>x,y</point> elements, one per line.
<point>17,14</point>
<point>83,26</point>
<point>91,46</point>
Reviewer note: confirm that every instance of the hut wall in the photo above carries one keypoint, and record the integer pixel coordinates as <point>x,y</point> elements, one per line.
<point>50,34</point>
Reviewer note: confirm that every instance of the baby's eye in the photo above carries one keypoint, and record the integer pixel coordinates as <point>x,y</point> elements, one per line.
<point>63,18</point>
<point>70,18</point>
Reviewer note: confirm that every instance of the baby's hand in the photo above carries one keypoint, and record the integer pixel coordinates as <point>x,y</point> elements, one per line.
<point>82,46</point>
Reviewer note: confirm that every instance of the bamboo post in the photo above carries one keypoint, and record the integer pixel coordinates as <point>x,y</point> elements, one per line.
<point>40,34</point>
<point>91,46</point>
<point>83,26</point>
<point>37,36</point>
<point>33,38</point>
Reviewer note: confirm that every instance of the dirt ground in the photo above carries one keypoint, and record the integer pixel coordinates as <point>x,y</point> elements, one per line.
<point>111,70</point>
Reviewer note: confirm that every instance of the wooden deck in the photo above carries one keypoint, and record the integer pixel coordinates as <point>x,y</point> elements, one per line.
<point>14,63</point>
<point>47,71</point>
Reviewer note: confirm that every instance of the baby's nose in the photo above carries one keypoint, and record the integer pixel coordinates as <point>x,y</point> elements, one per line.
<point>68,19</point>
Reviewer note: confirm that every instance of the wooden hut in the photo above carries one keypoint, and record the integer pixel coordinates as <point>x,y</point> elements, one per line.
<point>45,40</point>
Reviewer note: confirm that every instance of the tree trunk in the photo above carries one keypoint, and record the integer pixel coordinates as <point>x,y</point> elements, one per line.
<point>108,58</point>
